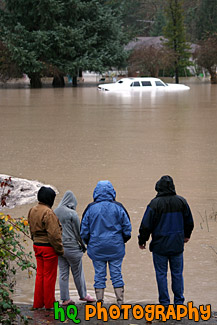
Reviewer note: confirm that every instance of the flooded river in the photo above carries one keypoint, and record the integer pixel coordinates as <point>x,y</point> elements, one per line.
<point>72,138</point>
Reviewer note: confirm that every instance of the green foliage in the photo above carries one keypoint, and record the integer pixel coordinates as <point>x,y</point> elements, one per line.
<point>53,37</point>
<point>133,18</point>
<point>206,19</point>
<point>59,37</point>
<point>8,68</point>
<point>159,23</point>
<point>13,238</point>
<point>190,12</point>
<point>140,15</point>
<point>145,17</point>
<point>174,32</point>
<point>200,19</point>
<point>13,235</point>
<point>206,56</point>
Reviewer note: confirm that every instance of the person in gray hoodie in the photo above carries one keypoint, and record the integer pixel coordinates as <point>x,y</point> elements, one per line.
<point>72,258</point>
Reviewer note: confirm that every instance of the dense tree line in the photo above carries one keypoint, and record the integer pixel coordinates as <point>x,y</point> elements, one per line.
<point>181,22</point>
<point>59,37</point>
<point>148,18</point>
<point>206,56</point>
<point>174,31</point>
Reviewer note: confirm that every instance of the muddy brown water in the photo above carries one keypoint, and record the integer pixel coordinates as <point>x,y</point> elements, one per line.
<point>72,138</point>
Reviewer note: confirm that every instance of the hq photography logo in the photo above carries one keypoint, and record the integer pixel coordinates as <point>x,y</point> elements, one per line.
<point>148,312</point>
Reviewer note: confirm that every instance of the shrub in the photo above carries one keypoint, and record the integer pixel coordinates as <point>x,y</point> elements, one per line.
<point>13,237</point>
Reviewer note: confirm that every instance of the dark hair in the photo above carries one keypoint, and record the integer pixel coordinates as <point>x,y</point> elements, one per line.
<point>46,195</point>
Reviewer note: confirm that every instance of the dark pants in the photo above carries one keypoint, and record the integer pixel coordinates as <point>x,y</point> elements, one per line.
<point>176,268</point>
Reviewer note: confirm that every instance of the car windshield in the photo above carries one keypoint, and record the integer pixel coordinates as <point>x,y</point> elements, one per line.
<point>159,83</point>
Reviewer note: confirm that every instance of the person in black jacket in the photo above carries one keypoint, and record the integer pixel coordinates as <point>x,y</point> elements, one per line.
<point>169,220</point>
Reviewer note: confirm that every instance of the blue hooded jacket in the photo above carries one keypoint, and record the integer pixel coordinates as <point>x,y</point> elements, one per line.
<point>105,225</point>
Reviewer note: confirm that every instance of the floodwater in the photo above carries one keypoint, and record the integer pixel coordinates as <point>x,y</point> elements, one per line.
<point>74,137</point>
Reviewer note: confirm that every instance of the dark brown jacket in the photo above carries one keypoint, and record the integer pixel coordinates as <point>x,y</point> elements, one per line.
<point>45,227</point>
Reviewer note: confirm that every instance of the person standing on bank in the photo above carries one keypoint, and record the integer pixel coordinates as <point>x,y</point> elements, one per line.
<point>46,234</point>
<point>72,243</point>
<point>169,220</point>
<point>105,228</point>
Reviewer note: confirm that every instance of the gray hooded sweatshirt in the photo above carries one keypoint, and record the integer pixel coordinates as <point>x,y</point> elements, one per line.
<point>67,215</point>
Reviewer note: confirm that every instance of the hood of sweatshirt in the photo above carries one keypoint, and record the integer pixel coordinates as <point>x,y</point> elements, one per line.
<point>165,186</point>
<point>68,200</point>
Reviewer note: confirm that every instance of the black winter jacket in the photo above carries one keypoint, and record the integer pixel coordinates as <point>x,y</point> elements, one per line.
<point>168,218</point>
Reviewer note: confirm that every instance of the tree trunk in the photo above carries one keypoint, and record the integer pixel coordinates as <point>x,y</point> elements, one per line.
<point>80,72</point>
<point>35,81</point>
<point>74,81</point>
<point>213,76</point>
<point>156,73</point>
<point>58,81</point>
<point>177,75</point>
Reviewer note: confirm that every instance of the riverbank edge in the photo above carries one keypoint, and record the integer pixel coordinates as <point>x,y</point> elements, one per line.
<point>42,316</point>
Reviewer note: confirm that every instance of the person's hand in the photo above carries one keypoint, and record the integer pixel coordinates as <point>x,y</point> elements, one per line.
<point>186,240</point>
<point>143,246</point>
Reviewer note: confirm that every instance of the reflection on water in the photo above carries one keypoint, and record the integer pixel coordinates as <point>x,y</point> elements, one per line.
<point>71,138</point>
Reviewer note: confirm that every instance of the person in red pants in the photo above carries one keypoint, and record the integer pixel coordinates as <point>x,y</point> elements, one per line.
<point>46,233</point>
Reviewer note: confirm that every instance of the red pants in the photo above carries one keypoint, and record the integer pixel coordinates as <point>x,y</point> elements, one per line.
<point>47,261</point>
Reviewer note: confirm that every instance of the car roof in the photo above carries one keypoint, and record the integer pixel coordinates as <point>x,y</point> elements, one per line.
<point>140,79</point>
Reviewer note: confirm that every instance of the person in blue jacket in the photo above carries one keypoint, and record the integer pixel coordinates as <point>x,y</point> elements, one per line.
<point>105,228</point>
<point>169,220</point>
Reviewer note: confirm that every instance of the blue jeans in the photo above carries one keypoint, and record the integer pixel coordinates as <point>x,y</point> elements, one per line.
<point>100,268</point>
<point>176,268</point>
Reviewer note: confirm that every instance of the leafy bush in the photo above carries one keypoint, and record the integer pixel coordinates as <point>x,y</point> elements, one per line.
<point>13,237</point>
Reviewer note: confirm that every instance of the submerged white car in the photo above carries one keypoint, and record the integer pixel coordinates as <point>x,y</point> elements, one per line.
<point>141,84</point>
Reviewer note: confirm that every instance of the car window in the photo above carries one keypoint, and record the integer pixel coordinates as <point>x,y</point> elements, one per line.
<point>146,83</point>
<point>120,82</point>
<point>135,84</point>
<point>159,83</point>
